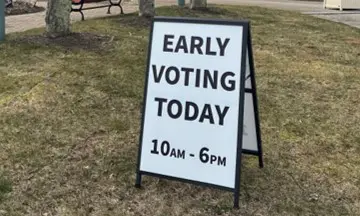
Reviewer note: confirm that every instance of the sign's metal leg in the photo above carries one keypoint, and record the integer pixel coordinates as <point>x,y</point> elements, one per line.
<point>2,20</point>
<point>236,199</point>
<point>261,162</point>
<point>138,180</point>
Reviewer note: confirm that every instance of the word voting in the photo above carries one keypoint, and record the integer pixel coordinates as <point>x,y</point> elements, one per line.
<point>193,77</point>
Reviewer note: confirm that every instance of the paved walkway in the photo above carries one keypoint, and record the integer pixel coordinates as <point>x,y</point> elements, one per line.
<point>36,20</point>
<point>316,9</point>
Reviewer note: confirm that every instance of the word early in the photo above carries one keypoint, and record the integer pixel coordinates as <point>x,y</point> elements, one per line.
<point>194,45</point>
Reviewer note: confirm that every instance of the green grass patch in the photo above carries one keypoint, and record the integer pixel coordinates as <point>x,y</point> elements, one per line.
<point>70,118</point>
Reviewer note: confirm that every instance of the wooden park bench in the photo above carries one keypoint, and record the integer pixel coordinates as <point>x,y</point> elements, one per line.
<point>78,6</point>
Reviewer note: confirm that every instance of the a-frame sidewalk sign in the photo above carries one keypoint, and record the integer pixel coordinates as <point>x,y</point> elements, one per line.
<point>200,109</point>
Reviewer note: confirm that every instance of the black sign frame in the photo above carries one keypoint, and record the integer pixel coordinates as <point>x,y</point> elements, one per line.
<point>253,92</point>
<point>245,44</point>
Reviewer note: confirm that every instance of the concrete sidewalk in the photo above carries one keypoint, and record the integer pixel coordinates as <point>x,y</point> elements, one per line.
<point>25,22</point>
<point>351,18</point>
<point>276,4</point>
<point>29,21</point>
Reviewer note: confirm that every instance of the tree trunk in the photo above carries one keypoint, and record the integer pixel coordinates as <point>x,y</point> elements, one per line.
<point>58,18</point>
<point>198,4</point>
<point>146,8</point>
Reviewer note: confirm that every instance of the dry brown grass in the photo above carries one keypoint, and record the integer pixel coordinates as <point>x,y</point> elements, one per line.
<point>70,119</point>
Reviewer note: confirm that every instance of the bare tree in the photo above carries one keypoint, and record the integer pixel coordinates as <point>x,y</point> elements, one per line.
<point>146,8</point>
<point>58,18</point>
<point>194,4</point>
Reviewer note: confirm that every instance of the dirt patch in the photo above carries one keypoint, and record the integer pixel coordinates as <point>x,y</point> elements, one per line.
<point>353,41</point>
<point>130,20</point>
<point>74,41</point>
<point>21,7</point>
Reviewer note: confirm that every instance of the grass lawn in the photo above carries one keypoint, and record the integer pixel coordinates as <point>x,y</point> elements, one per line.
<point>70,119</point>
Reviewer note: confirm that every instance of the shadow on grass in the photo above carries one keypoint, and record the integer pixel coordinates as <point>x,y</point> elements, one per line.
<point>5,187</point>
<point>210,11</point>
<point>135,21</point>
<point>75,41</point>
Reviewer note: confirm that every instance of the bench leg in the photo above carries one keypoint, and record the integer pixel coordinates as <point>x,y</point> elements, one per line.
<point>80,11</point>
<point>108,12</point>
<point>121,9</point>
<point>115,4</point>
<point>82,16</point>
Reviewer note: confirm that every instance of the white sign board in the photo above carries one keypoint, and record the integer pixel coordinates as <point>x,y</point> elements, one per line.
<point>194,102</point>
